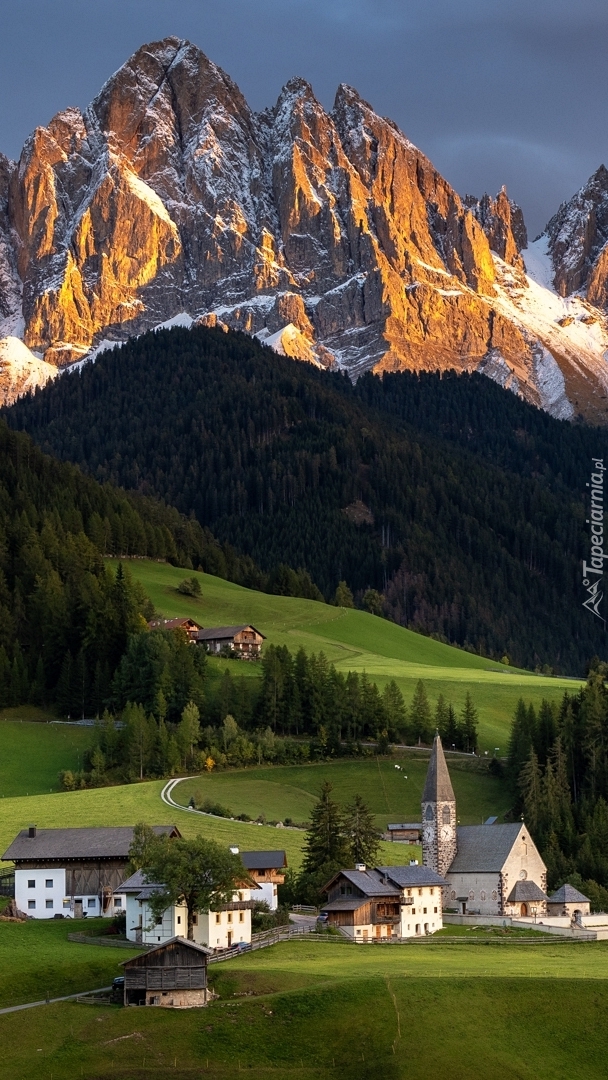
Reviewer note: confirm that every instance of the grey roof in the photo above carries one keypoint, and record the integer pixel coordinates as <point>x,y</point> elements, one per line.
<point>133,883</point>
<point>172,941</point>
<point>368,883</point>
<point>219,633</point>
<point>264,860</point>
<point>103,843</point>
<point>568,895</point>
<point>148,891</point>
<point>406,825</point>
<point>352,904</point>
<point>525,890</point>
<point>438,786</point>
<point>404,876</point>
<point>484,848</point>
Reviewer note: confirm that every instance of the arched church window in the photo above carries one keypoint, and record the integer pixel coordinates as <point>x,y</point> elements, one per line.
<point>429,813</point>
<point>483,895</point>
<point>471,895</point>
<point>453,894</point>
<point>494,894</point>
<point>446,815</point>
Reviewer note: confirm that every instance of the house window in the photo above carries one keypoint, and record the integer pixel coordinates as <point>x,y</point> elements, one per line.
<point>229,916</point>
<point>49,903</point>
<point>31,904</point>
<point>31,883</point>
<point>49,883</point>
<point>195,920</point>
<point>419,892</point>
<point>66,904</point>
<point>91,902</point>
<point>424,911</point>
<point>435,911</point>
<point>218,917</point>
<point>159,922</point>
<point>179,919</point>
<point>241,916</point>
<point>431,891</point>
<point>118,902</point>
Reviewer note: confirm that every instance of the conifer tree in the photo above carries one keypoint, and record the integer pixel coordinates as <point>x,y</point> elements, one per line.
<point>468,725</point>
<point>420,714</point>
<point>325,845</point>
<point>361,833</point>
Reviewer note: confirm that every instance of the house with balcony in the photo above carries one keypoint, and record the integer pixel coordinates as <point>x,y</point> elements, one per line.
<point>362,905</point>
<point>245,641</point>
<point>267,869</point>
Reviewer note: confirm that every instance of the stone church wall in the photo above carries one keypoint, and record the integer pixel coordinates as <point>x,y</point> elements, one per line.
<point>482,890</point>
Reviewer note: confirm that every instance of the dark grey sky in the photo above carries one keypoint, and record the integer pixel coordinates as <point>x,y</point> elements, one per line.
<point>494,91</point>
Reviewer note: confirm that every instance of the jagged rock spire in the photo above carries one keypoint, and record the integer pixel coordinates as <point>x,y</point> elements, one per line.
<point>438,786</point>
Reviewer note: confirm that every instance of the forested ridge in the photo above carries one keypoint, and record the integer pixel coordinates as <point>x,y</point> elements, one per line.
<point>473,522</point>
<point>65,617</point>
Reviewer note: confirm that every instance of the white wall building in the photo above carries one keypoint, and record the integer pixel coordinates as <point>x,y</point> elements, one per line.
<point>221,929</point>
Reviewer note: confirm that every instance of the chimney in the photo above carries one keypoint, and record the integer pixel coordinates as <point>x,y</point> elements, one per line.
<point>360,866</point>
<point>32,831</point>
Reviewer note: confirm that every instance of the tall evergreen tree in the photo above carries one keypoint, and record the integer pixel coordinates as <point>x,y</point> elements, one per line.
<point>325,845</point>
<point>361,834</point>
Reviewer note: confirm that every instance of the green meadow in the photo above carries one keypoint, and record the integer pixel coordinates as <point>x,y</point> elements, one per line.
<point>354,640</point>
<point>393,794</point>
<point>130,803</point>
<point>32,753</point>
<point>317,1010</point>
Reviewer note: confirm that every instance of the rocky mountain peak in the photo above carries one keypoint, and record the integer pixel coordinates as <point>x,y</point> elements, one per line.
<point>577,236</point>
<point>328,234</point>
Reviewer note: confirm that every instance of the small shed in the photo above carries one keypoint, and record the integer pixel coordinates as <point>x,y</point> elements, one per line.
<point>172,975</point>
<point>407,832</point>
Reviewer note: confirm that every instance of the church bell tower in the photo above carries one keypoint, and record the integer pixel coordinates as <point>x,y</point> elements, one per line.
<point>439,841</point>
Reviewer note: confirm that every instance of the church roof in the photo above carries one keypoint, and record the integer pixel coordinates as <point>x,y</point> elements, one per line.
<point>438,786</point>
<point>527,891</point>
<point>568,895</point>
<point>404,876</point>
<point>484,848</point>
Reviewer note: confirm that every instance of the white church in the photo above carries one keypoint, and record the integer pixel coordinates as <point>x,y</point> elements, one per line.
<point>488,869</point>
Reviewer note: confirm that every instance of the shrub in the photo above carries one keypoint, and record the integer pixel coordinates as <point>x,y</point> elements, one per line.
<point>190,587</point>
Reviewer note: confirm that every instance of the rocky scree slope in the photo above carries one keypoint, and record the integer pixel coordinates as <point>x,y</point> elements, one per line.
<point>328,234</point>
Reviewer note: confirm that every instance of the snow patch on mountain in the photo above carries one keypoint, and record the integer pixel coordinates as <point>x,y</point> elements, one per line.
<point>21,370</point>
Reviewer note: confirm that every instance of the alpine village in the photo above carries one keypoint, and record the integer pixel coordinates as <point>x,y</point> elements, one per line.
<point>303,663</point>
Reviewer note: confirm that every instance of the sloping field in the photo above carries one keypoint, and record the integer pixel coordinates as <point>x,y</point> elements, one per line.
<point>393,794</point>
<point>358,641</point>
<point>315,1011</point>
<point>32,755</point>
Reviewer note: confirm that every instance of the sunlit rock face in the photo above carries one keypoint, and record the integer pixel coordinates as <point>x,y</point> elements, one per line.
<point>578,241</point>
<point>329,235</point>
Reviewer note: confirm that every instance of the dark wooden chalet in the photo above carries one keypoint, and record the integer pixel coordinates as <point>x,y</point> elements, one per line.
<point>244,640</point>
<point>360,902</point>
<point>173,975</point>
<point>189,626</point>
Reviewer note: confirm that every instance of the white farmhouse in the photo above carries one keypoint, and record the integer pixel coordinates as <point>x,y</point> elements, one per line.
<point>72,872</point>
<point>221,928</point>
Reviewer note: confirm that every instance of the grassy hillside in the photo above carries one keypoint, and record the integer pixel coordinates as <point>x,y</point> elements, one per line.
<point>131,803</point>
<point>315,1011</point>
<point>355,640</point>
<point>393,795</point>
<point>32,754</point>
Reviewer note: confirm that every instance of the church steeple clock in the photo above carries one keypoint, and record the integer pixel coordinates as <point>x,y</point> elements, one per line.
<point>439,843</point>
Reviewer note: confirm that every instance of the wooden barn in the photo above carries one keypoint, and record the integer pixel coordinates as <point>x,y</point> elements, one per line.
<point>172,975</point>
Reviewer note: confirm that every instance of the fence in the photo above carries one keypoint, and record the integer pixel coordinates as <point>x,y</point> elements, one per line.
<point>263,940</point>
<point>114,942</point>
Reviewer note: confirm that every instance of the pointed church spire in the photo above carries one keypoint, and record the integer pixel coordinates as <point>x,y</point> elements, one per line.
<point>438,787</point>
